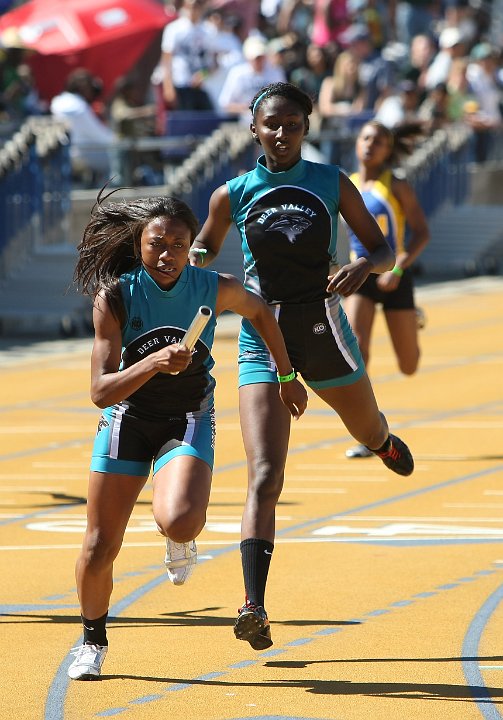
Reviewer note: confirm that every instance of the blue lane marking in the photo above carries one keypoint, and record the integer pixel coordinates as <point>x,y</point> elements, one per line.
<point>272,653</point>
<point>242,664</point>
<point>178,686</point>
<point>473,676</point>
<point>54,709</point>
<point>299,641</point>
<point>396,498</point>
<point>110,713</point>
<point>209,676</point>
<point>146,699</point>
<point>20,609</point>
<point>39,513</point>
<point>277,717</point>
<point>425,594</point>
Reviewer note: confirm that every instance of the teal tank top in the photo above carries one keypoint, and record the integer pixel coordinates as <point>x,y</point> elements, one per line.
<point>288,227</point>
<point>156,318</point>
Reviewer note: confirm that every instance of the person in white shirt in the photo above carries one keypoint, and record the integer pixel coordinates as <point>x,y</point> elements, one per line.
<point>486,115</point>
<point>451,45</point>
<point>90,138</point>
<point>243,81</point>
<point>187,59</point>
<point>227,47</point>
<point>400,107</point>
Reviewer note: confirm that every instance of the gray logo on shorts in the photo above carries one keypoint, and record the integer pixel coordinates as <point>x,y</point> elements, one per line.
<point>319,328</point>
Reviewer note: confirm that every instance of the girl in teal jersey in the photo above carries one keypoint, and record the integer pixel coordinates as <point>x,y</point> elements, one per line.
<point>394,204</point>
<point>286,211</point>
<point>156,395</point>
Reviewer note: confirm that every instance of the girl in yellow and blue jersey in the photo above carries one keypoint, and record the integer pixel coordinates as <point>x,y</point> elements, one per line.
<point>393,203</point>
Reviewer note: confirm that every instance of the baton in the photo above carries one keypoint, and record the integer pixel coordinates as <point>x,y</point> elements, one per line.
<point>195,329</point>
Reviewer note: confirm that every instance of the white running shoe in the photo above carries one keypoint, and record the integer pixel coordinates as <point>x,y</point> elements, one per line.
<point>180,560</point>
<point>359,451</point>
<point>420,318</point>
<point>88,662</point>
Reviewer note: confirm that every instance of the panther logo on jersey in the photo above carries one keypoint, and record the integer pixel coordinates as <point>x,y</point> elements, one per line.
<point>290,225</point>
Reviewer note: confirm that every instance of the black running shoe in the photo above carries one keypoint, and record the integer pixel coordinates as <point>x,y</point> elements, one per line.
<point>252,625</point>
<point>397,457</point>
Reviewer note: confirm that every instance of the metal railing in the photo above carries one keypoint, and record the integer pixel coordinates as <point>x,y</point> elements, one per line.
<point>35,190</point>
<point>36,177</point>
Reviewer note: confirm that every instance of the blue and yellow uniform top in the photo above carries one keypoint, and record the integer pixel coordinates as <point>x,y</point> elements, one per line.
<point>156,318</point>
<point>288,226</point>
<point>387,211</point>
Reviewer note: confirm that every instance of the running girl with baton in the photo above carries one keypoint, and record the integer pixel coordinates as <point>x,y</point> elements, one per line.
<point>156,393</point>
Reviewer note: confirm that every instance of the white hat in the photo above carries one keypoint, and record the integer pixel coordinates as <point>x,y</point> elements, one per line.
<point>449,37</point>
<point>254,47</point>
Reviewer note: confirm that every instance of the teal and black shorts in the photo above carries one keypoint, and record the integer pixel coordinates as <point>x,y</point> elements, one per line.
<point>128,445</point>
<point>319,340</point>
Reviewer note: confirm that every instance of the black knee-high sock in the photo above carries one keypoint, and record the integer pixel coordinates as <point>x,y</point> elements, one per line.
<point>95,631</point>
<point>255,558</point>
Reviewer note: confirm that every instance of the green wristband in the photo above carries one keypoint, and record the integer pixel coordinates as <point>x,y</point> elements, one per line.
<point>398,271</point>
<point>287,378</point>
<point>199,252</point>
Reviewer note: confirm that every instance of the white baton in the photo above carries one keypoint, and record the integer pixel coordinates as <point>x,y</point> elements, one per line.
<point>195,329</point>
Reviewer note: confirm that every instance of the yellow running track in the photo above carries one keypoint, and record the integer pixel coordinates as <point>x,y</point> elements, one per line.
<point>384,593</point>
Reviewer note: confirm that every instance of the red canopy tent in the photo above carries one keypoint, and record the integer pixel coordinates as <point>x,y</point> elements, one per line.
<point>107,37</point>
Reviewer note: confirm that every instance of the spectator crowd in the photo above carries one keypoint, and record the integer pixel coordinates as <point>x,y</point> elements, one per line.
<point>430,62</point>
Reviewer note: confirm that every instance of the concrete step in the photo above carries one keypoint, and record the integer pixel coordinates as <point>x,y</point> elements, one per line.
<point>39,298</point>
<point>465,241</point>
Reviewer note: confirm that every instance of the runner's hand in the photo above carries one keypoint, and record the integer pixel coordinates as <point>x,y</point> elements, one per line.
<point>294,395</point>
<point>173,359</point>
<point>349,278</point>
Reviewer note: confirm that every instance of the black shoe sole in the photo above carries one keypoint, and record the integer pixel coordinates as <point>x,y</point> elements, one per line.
<point>251,628</point>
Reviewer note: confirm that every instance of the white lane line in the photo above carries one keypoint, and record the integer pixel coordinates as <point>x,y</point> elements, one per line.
<point>227,543</point>
<point>460,424</point>
<point>200,543</point>
<point>334,478</point>
<point>295,491</point>
<point>36,488</point>
<point>489,506</point>
<point>30,488</point>
<point>420,518</point>
<point>43,429</point>
<point>62,465</point>
<point>136,516</point>
<point>69,515</point>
